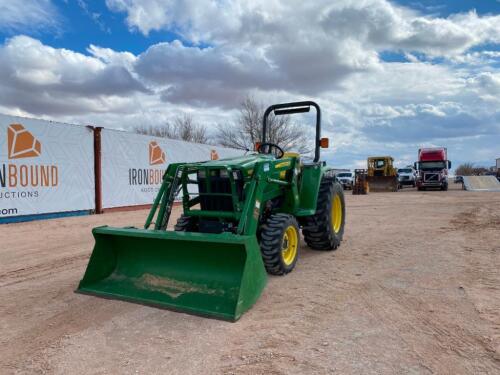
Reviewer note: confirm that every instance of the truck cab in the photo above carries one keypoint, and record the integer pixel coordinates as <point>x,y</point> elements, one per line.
<point>407,177</point>
<point>432,167</point>
<point>346,179</point>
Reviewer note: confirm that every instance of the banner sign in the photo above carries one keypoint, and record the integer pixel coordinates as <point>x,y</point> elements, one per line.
<point>133,165</point>
<point>45,167</point>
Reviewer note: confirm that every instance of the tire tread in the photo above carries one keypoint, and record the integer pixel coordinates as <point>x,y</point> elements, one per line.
<point>316,228</point>
<point>271,241</point>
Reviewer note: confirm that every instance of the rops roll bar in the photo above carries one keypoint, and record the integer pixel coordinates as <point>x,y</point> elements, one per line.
<point>292,108</point>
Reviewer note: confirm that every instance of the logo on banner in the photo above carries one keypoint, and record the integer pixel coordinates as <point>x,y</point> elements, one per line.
<point>21,143</point>
<point>149,178</point>
<point>214,155</point>
<point>156,154</point>
<point>22,179</point>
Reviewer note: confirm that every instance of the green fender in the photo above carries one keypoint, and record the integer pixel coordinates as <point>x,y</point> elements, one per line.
<point>309,188</point>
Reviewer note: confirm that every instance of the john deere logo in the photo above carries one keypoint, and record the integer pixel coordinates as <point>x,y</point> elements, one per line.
<point>156,154</point>
<point>21,143</point>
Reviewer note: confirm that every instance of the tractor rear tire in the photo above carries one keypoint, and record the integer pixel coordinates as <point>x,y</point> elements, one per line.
<point>324,230</point>
<point>279,243</point>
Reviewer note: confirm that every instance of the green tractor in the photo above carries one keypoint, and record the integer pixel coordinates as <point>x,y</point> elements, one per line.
<point>241,217</point>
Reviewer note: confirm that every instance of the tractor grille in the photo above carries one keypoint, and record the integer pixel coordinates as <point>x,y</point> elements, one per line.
<point>214,188</point>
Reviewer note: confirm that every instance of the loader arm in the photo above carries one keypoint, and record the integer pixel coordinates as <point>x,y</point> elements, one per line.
<point>165,197</point>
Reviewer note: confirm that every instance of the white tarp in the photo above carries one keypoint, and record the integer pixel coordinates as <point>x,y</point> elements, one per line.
<point>132,165</point>
<point>45,167</point>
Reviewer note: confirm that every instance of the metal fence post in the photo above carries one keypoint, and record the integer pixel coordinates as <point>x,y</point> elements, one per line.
<point>97,169</point>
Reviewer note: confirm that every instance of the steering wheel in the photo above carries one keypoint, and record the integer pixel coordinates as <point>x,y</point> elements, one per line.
<point>266,148</point>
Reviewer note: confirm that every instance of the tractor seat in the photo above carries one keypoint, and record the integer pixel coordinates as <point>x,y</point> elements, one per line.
<point>291,155</point>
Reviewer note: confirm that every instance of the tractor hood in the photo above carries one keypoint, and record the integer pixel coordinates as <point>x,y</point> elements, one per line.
<point>240,162</point>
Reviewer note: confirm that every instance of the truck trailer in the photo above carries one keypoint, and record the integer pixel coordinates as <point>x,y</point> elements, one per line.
<point>432,167</point>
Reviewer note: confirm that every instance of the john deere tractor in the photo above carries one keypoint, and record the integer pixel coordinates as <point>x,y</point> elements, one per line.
<point>241,217</point>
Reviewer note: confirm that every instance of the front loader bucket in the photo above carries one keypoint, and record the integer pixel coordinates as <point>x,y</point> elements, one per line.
<point>218,275</point>
<point>382,183</point>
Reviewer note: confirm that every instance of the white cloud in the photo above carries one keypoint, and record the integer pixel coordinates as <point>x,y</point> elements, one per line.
<point>111,57</point>
<point>299,47</point>
<point>94,16</point>
<point>409,105</point>
<point>374,23</point>
<point>278,51</point>
<point>190,17</point>
<point>43,80</point>
<point>476,58</point>
<point>489,82</point>
<point>21,16</point>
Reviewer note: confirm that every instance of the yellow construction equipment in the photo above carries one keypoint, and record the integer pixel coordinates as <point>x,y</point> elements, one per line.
<point>360,185</point>
<point>381,175</point>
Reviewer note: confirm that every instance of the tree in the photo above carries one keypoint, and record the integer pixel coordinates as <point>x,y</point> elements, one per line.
<point>247,130</point>
<point>183,127</point>
<point>465,169</point>
<point>468,169</point>
<point>164,131</point>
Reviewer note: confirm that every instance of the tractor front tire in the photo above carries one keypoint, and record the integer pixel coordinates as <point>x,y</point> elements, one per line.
<point>184,224</point>
<point>279,243</point>
<point>324,230</point>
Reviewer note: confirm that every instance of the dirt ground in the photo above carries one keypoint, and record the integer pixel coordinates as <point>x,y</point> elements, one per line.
<point>414,289</point>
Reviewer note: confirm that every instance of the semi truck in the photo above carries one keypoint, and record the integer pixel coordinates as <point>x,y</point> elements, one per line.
<point>432,167</point>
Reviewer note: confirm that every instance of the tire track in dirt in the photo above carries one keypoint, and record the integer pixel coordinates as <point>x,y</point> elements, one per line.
<point>480,227</point>
<point>28,353</point>
<point>388,302</point>
<point>42,269</point>
<point>276,338</point>
<point>449,336</point>
<point>405,312</point>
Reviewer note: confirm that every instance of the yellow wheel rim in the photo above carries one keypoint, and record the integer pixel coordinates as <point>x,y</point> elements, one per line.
<point>336,214</point>
<point>289,246</point>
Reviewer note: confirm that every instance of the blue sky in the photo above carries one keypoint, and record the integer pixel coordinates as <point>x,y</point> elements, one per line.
<point>84,22</point>
<point>446,8</point>
<point>81,23</point>
<point>391,76</point>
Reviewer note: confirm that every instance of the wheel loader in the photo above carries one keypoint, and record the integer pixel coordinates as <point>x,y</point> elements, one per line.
<point>241,220</point>
<point>381,174</point>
